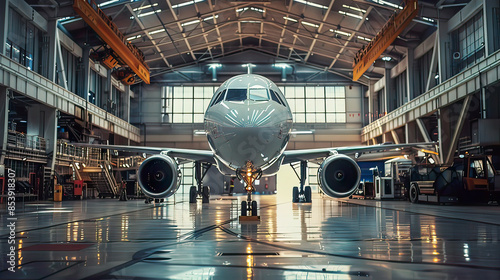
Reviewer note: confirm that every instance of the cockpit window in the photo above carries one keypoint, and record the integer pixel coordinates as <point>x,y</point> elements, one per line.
<point>258,94</point>
<point>219,98</point>
<point>236,94</point>
<point>275,97</point>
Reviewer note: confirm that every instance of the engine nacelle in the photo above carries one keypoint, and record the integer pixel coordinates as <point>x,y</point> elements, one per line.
<point>159,176</point>
<point>339,176</point>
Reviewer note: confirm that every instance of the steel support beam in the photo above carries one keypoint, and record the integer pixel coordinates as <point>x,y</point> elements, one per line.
<point>433,66</point>
<point>458,129</point>
<point>4,122</point>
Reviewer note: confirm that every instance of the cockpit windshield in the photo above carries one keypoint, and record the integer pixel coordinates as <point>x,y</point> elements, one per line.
<point>258,94</point>
<point>236,94</point>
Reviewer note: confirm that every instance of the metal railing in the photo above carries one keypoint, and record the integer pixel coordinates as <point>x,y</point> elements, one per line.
<point>26,142</point>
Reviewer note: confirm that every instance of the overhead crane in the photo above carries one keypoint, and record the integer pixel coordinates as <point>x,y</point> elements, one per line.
<point>384,38</point>
<point>108,31</point>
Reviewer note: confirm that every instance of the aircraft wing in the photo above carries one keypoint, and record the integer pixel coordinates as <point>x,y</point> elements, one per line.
<point>311,154</point>
<point>184,154</point>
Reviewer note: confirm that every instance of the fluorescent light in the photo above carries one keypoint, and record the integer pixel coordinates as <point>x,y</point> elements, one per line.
<point>210,18</point>
<point>349,14</point>
<point>382,2</point>
<point>301,132</point>
<point>149,13</point>
<point>250,21</point>
<point>156,31</point>
<point>133,38</point>
<point>145,7</point>
<point>312,4</point>
<point>215,65</point>
<point>200,132</point>
<point>428,19</point>
<point>364,38</point>
<point>386,58</point>
<point>310,24</point>
<point>340,32</point>
<point>190,22</point>
<point>354,8</point>
<point>257,9</point>
<point>241,10</point>
<point>107,3</point>
<point>186,3</point>
<point>290,19</point>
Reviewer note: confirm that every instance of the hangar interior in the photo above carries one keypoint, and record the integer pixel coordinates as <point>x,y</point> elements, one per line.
<point>143,72</point>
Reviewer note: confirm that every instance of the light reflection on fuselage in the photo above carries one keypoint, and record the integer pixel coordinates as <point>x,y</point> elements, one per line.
<point>244,129</point>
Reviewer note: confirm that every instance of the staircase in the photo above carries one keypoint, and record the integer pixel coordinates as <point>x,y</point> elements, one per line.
<point>100,179</point>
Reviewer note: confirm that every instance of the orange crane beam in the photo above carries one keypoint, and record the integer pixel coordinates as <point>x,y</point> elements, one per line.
<point>108,31</point>
<point>396,24</point>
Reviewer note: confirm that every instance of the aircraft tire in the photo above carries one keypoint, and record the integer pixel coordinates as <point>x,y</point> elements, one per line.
<point>243,208</point>
<point>295,194</point>
<point>254,208</point>
<point>307,193</point>
<point>192,194</point>
<point>205,194</point>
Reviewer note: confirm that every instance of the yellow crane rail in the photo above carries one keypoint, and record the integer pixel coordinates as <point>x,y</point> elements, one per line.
<point>396,24</point>
<point>108,31</point>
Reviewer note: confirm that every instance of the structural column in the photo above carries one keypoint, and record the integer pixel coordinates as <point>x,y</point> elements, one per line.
<point>4,122</point>
<point>50,134</point>
<point>52,29</point>
<point>4,23</point>
<point>492,39</point>
<point>410,75</point>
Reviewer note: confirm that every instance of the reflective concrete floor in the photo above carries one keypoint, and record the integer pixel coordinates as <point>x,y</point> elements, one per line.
<point>326,239</point>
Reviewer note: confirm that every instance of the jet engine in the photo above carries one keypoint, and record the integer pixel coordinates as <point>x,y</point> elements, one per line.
<point>339,176</point>
<point>159,176</point>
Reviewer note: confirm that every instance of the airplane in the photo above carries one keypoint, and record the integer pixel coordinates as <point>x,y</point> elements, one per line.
<point>248,124</point>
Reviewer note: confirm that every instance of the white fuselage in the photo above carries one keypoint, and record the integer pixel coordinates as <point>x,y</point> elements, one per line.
<point>248,120</point>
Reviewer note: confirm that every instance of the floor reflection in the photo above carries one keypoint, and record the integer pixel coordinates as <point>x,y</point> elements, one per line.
<point>325,239</point>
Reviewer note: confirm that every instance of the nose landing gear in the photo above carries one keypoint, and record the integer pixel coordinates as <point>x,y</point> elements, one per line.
<point>249,207</point>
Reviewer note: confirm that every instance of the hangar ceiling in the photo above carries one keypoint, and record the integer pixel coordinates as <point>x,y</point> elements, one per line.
<point>324,35</point>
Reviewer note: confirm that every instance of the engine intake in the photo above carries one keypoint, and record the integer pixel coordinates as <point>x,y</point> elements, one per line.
<point>339,176</point>
<point>159,176</point>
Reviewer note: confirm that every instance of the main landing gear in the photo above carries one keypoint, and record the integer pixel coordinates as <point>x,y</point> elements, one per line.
<point>249,207</point>
<point>302,195</point>
<point>200,170</point>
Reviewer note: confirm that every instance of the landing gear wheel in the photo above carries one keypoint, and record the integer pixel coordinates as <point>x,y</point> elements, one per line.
<point>243,208</point>
<point>162,200</point>
<point>414,193</point>
<point>205,194</point>
<point>295,195</point>
<point>254,208</point>
<point>157,200</point>
<point>192,194</point>
<point>307,193</point>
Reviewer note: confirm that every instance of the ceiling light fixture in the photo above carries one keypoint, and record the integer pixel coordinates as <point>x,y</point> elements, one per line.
<point>385,3</point>
<point>156,31</point>
<point>350,15</point>
<point>107,3</point>
<point>312,4</point>
<point>340,32</point>
<point>364,38</point>
<point>290,19</point>
<point>310,24</point>
<point>186,3</point>
<point>145,7</point>
<point>133,37</point>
